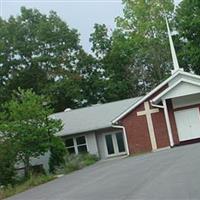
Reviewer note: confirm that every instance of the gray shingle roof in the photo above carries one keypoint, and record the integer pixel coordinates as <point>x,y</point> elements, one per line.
<point>92,118</point>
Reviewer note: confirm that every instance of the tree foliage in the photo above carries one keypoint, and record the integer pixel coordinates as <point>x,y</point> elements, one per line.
<point>57,154</point>
<point>136,57</point>
<point>25,122</point>
<point>40,52</point>
<point>7,162</point>
<point>188,29</point>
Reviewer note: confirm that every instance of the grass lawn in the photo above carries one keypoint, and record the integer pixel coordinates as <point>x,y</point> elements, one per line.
<point>20,187</point>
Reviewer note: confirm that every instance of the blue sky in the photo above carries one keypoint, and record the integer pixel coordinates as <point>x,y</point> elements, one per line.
<point>79,14</point>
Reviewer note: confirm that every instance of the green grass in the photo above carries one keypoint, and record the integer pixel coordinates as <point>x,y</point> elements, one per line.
<point>20,187</point>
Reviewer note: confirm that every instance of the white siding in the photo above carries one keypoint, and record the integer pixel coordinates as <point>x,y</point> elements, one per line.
<point>92,144</point>
<point>41,160</point>
<point>101,146</point>
<point>186,101</point>
<point>44,160</point>
<point>182,89</point>
<point>180,76</point>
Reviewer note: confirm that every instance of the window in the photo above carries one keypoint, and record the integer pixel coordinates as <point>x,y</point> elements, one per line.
<point>81,144</point>
<point>76,145</point>
<point>69,143</point>
<point>80,140</point>
<point>82,149</point>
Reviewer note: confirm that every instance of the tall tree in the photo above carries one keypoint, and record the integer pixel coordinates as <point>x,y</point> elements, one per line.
<point>144,23</point>
<point>101,41</point>
<point>188,28</point>
<point>40,52</point>
<point>137,55</point>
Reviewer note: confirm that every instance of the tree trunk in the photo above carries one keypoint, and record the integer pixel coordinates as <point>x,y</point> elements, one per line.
<point>27,169</point>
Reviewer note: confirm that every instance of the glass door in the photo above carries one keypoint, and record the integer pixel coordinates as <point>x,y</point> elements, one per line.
<point>115,144</point>
<point>120,142</point>
<point>109,144</point>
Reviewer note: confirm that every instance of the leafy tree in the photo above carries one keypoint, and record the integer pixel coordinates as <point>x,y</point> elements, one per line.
<point>83,87</point>
<point>100,39</point>
<point>42,53</point>
<point>26,123</point>
<point>136,57</point>
<point>188,28</point>
<point>65,92</point>
<point>92,79</point>
<point>37,51</point>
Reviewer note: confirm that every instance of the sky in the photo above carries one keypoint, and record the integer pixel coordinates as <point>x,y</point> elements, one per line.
<point>78,14</point>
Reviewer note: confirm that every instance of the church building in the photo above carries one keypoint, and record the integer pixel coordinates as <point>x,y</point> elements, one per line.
<point>167,116</point>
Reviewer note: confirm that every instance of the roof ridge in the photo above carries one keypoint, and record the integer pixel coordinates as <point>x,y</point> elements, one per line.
<point>95,105</point>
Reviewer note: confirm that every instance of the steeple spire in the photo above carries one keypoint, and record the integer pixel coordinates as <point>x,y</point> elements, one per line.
<point>173,52</point>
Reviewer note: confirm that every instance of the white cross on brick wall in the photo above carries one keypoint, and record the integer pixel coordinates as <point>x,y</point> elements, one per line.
<point>147,111</point>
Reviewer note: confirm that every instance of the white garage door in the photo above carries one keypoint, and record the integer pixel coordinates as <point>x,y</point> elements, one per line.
<point>188,124</point>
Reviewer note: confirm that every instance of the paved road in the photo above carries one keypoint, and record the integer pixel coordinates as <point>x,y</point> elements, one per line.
<point>168,174</point>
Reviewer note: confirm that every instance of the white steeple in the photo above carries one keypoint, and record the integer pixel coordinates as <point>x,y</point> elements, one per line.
<point>173,52</point>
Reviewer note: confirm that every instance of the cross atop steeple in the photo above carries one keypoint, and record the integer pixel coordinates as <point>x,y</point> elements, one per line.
<point>173,51</point>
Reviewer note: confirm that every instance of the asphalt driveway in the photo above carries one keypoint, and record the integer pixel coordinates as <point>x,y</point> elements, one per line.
<point>168,174</point>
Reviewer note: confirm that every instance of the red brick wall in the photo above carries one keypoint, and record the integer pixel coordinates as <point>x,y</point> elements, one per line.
<point>137,129</point>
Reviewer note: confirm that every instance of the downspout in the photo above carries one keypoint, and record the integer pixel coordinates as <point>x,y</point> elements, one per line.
<point>164,106</point>
<point>155,105</point>
<point>125,136</point>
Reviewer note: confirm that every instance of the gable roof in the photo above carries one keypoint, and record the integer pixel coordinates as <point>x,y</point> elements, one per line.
<point>178,72</point>
<point>92,118</point>
<point>169,89</point>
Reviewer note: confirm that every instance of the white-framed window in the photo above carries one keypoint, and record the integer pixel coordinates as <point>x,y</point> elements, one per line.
<point>76,145</point>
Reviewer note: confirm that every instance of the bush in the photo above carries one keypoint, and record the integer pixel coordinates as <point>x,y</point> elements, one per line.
<point>89,159</point>
<point>57,154</point>
<point>7,163</point>
<point>76,162</point>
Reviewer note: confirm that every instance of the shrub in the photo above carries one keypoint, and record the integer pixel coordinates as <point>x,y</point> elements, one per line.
<point>89,159</point>
<point>76,162</point>
<point>7,163</point>
<point>57,154</point>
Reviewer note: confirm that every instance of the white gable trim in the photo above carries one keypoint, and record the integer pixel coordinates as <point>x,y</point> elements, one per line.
<point>173,86</point>
<point>153,91</point>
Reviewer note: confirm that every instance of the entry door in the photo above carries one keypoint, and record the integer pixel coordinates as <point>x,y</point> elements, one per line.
<point>188,124</point>
<point>115,144</point>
